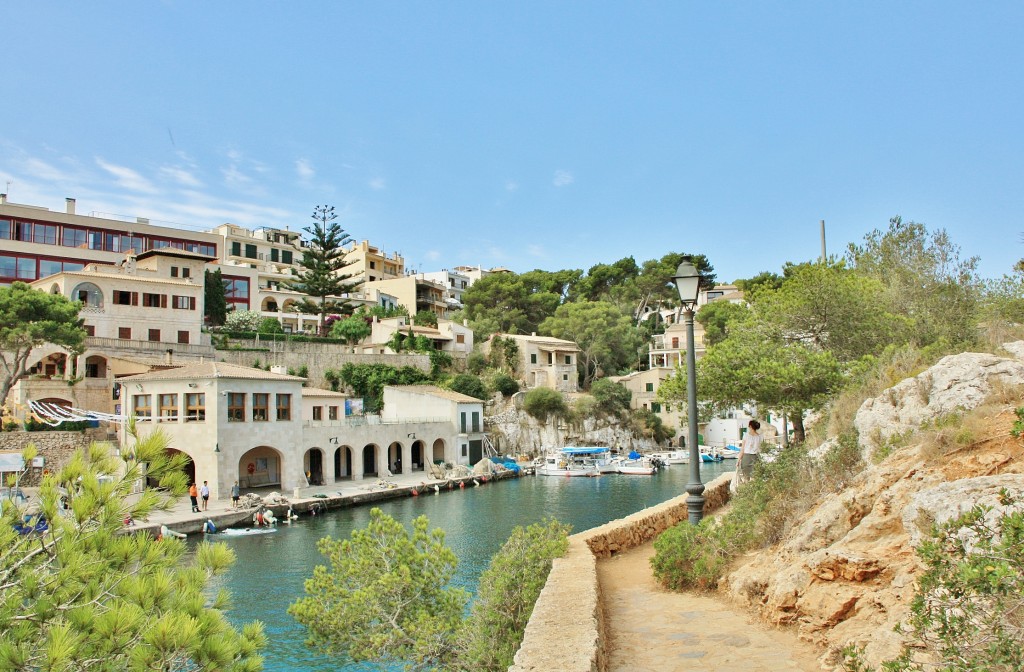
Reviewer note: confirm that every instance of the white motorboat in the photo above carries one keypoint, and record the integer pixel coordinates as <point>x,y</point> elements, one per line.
<point>635,464</point>
<point>572,461</point>
<point>672,456</point>
<point>730,453</point>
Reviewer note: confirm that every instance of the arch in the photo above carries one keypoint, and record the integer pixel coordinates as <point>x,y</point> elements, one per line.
<point>343,463</point>
<point>189,469</point>
<point>417,456</point>
<point>370,460</point>
<point>289,305</point>
<point>53,364</point>
<point>313,466</point>
<point>89,294</point>
<point>395,458</point>
<point>437,454</point>
<point>55,288</point>
<point>95,366</point>
<point>270,304</point>
<point>267,465</point>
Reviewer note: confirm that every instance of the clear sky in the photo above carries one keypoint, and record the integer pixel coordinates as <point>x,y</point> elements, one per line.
<point>529,134</point>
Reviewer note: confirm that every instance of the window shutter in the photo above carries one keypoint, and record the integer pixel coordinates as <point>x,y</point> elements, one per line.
<point>163,300</point>
<point>135,298</point>
<point>191,303</point>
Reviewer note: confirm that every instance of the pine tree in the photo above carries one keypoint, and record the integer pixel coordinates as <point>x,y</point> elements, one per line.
<point>320,277</point>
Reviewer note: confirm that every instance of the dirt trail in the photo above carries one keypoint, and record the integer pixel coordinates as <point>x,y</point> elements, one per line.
<point>651,629</point>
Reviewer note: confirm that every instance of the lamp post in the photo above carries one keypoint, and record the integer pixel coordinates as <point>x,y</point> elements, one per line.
<point>687,281</point>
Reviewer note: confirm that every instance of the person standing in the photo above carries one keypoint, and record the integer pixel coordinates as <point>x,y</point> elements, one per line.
<point>205,492</point>
<point>750,452</point>
<point>193,494</point>
<point>236,493</point>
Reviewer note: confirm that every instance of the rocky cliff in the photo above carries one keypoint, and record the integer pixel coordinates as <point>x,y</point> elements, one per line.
<point>846,574</point>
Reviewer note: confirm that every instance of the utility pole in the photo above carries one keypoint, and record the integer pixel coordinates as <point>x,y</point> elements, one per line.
<point>823,257</point>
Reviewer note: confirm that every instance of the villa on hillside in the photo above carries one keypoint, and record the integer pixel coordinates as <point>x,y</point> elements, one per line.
<point>448,336</point>
<point>264,429</point>
<point>544,361</point>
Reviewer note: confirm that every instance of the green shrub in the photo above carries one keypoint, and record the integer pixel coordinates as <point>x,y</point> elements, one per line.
<point>505,384</point>
<point>269,325</point>
<point>543,402</point>
<point>10,425</point>
<point>612,398</point>
<point>440,361</point>
<point>33,425</point>
<point>470,385</point>
<point>476,363</point>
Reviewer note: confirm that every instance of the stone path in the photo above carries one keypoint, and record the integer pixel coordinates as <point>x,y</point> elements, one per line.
<point>651,629</point>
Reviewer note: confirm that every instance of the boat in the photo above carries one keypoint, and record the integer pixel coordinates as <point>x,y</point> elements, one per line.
<point>635,464</point>
<point>572,461</point>
<point>709,454</point>
<point>670,457</point>
<point>242,532</point>
<point>730,453</point>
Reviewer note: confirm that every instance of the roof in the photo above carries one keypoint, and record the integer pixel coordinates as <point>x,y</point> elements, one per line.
<point>120,276</point>
<point>204,370</point>
<point>730,296</point>
<point>544,341</point>
<point>318,392</point>
<point>434,391</point>
<point>174,252</point>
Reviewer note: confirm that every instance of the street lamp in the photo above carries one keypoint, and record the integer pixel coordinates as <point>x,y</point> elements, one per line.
<point>687,281</point>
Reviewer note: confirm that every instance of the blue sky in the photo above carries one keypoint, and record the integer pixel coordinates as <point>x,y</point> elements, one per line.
<point>529,134</point>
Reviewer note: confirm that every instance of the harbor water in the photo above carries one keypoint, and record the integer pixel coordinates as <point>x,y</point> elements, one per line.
<point>269,573</point>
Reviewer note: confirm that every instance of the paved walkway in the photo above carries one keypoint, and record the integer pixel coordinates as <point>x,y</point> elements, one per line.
<point>651,629</point>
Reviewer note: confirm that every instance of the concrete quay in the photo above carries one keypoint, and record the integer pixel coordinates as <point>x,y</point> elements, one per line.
<point>180,517</point>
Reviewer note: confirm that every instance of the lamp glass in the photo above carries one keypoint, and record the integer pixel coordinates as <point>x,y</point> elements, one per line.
<point>687,281</point>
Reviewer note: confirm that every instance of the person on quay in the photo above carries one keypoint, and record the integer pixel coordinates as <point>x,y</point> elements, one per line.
<point>750,452</point>
<point>193,494</point>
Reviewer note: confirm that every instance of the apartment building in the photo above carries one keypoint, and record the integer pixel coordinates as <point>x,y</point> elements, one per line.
<point>452,337</point>
<point>455,283</point>
<point>413,292</point>
<point>369,263</point>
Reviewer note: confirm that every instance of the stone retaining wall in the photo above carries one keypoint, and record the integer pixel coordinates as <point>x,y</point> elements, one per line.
<point>566,631</point>
<point>318,360</point>
<point>56,448</point>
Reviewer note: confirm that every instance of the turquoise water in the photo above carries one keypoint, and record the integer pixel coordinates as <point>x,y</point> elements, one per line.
<point>271,568</point>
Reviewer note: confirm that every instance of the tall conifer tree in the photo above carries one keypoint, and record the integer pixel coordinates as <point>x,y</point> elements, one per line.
<point>323,259</point>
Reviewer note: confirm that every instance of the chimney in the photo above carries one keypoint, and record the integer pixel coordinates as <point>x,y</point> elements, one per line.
<point>3,199</point>
<point>168,355</point>
<point>70,205</point>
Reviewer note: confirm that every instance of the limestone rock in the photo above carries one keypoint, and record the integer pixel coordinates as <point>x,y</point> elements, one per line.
<point>955,383</point>
<point>950,500</point>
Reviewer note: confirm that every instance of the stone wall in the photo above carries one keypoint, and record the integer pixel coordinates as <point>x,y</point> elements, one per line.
<point>566,631</point>
<point>318,357</point>
<point>56,448</point>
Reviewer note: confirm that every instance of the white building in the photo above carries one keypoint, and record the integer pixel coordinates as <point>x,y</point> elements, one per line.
<point>265,430</point>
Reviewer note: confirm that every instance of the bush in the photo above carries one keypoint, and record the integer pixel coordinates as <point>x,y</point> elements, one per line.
<point>33,425</point>
<point>612,398</point>
<point>505,384</point>
<point>543,402</point>
<point>476,363</point>
<point>243,320</point>
<point>468,384</point>
<point>439,362</point>
<point>10,425</point>
<point>270,326</point>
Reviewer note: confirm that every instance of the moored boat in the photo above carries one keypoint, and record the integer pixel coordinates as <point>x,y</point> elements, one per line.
<point>670,457</point>
<point>572,461</point>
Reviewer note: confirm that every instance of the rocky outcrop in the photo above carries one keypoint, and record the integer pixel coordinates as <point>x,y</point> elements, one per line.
<point>846,573</point>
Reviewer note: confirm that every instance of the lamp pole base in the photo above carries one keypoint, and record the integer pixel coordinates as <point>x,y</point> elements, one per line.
<point>695,502</point>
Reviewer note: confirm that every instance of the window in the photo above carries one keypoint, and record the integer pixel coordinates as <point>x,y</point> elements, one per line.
<point>373,264</point>
<point>26,268</point>
<point>476,421</point>
<point>124,333</point>
<point>90,330</point>
<point>533,358</point>
<point>274,254</point>
<point>186,272</point>
<point>649,387</point>
<point>236,407</point>
<point>465,450</point>
<point>154,334</point>
<point>8,266</point>
<point>183,337</point>
<point>284,407</point>
<point>568,359</point>
<point>168,408</point>
<point>141,406</point>
<point>332,412</point>
<point>48,267</point>
<point>260,402</point>
<point>123,298</point>
<point>5,229</point>
<point>462,424</point>
<point>656,407</point>
<point>183,302</point>
<point>318,412</point>
<point>195,407</point>
<point>551,358</point>
<point>237,289</point>
<point>286,256</point>
<point>565,376</point>
<point>154,300</point>
<point>460,338</point>
<point>675,342</point>
<point>45,234</point>
<point>250,251</point>
<point>174,271</point>
<point>236,249</point>
<point>74,237</point>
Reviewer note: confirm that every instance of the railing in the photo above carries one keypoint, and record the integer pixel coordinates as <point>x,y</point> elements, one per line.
<point>364,420</point>
<point>103,342</point>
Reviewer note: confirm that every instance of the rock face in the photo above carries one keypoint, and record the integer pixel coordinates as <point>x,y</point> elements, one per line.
<point>846,572</point>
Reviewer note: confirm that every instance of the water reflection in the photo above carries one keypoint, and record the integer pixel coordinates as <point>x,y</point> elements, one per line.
<point>271,568</point>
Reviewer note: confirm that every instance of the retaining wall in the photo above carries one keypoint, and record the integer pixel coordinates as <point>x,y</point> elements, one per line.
<point>56,448</point>
<point>318,358</point>
<point>566,631</point>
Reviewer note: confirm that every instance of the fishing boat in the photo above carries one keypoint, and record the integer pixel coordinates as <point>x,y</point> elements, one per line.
<point>730,453</point>
<point>572,461</point>
<point>709,454</point>
<point>635,464</point>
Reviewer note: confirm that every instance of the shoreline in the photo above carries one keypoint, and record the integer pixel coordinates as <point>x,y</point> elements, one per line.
<point>181,519</point>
